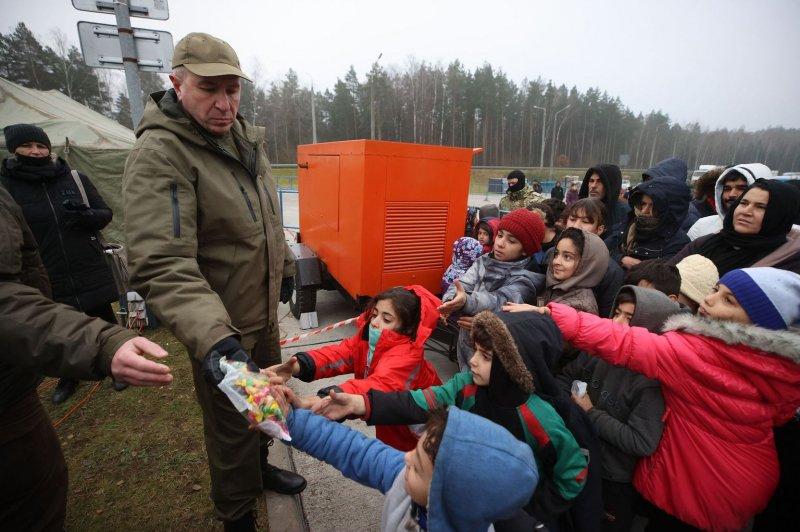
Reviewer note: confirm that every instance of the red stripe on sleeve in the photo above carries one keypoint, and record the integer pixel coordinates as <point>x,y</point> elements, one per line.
<point>533,425</point>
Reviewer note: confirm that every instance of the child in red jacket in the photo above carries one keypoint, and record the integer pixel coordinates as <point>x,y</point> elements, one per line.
<point>386,354</point>
<point>728,376</point>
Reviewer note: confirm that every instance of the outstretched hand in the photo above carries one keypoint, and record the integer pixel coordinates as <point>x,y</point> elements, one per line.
<point>340,405</point>
<point>524,307</point>
<point>130,366</point>
<point>283,371</point>
<point>455,304</point>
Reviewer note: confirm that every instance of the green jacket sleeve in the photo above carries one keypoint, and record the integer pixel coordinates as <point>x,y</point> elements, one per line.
<point>161,233</point>
<point>444,395</point>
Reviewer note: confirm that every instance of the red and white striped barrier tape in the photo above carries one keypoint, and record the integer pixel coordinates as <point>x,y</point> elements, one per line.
<point>294,339</point>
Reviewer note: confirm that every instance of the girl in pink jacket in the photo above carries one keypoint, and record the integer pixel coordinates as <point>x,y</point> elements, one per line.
<point>728,376</point>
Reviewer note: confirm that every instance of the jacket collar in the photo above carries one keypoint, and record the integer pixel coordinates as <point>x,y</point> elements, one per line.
<point>785,344</point>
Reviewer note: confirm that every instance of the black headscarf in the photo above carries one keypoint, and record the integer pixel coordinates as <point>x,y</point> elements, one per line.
<point>729,250</point>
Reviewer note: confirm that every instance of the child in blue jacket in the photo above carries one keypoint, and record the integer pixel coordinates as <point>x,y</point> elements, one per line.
<point>465,473</point>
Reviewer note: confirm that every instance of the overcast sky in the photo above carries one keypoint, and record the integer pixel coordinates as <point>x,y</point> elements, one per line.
<point>724,63</point>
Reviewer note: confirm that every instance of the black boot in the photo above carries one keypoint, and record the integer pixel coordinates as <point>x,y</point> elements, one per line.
<point>246,523</point>
<point>64,390</point>
<point>277,479</point>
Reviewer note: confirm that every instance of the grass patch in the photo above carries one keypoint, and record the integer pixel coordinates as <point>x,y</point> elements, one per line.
<point>136,458</point>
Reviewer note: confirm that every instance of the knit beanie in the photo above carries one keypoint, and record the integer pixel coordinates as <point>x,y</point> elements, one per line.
<point>771,297</point>
<point>526,226</point>
<point>698,277</point>
<point>18,134</point>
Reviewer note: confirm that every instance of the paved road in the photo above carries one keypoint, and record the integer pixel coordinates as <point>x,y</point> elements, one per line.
<point>331,501</point>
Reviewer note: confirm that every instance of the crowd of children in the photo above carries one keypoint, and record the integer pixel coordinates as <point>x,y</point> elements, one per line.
<point>592,388</point>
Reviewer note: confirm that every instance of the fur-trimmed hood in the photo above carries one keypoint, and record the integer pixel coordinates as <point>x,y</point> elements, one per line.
<point>784,344</point>
<point>503,348</point>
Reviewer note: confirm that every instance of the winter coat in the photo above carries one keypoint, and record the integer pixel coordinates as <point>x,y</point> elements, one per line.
<point>397,363</point>
<point>571,197</point>
<point>698,208</point>
<point>557,192</point>
<point>466,250</point>
<point>203,226</point>
<point>671,167</point>
<point>671,202</point>
<point>627,406</point>
<point>577,290</point>
<point>520,199</point>
<point>786,257</point>
<point>67,239</point>
<point>490,284</point>
<point>611,177</point>
<point>40,336</point>
<point>725,385</point>
<point>458,497</point>
<point>713,223</point>
<point>528,416</point>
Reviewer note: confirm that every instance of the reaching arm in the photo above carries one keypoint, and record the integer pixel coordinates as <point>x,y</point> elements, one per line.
<point>396,370</point>
<point>520,288</point>
<point>330,360</point>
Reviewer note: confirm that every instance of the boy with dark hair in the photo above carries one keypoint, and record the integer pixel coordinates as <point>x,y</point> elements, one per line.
<point>439,485</point>
<point>656,274</point>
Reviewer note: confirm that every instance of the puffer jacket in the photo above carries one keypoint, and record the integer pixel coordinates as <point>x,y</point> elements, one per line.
<point>520,199</point>
<point>725,386</point>
<point>69,247</point>
<point>38,335</point>
<point>397,364</point>
<point>671,167</point>
<point>203,226</point>
<point>671,201</point>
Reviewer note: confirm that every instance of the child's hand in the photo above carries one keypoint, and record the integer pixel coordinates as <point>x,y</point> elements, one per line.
<point>465,322</point>
<point>284,371</point>
<point>584,402</point>
<point>524,307</point>
<point>629,262</point>
<point>308,402</point>
<point>455,304</point>
<point>341,405</point>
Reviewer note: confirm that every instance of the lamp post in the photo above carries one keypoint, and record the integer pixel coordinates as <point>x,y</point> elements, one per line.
<point>544,123</point>
<point>553,145</point>
<point>372,99</point>
<point>655,139</point>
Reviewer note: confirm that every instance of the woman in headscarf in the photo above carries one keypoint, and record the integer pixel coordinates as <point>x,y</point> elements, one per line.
<point>757,231</point>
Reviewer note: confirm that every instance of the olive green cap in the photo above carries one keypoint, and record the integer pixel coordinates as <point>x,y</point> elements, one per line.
<point>205,55</point>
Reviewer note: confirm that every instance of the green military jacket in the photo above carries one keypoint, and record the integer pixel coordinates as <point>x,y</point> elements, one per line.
<point>521,199</point>
<point>203,227</point>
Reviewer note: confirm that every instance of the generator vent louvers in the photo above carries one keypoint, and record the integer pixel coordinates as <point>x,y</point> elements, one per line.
<point>415,235</point>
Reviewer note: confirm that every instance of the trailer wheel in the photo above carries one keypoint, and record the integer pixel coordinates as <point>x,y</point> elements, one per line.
<point>303,300</point>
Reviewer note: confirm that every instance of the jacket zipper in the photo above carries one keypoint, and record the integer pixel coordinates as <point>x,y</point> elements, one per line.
<point>269,198</point>
<point>176,211</point>
<point>249,204</point>
<point>63,249</point>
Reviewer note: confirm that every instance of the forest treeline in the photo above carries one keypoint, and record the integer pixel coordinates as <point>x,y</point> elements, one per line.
<point>434,104</point>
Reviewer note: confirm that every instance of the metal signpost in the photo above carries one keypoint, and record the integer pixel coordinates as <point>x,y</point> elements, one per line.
<point>124,47</point>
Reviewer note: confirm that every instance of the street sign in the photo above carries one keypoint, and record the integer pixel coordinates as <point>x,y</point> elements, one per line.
<point>101,47</point>
<point>156,9</point>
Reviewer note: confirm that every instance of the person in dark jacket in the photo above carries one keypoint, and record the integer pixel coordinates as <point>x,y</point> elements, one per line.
<point>654,224</point>
<point>65,228</point>
<point>43,337</point>
<point>672,167</point>
<point>603,182</point>
<point>757,231</point>
<point>557,191</point>
<point>625,407</point>
<point>703,203</point>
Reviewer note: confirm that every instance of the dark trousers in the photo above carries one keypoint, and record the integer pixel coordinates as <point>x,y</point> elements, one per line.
<point>234,451</point>
<point>619,500</point>
<point>33,474</point>
<point>661,521</point>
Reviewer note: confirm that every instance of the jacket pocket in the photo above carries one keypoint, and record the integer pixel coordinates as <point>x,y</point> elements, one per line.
<point>176,210</point>
<point>249,203</point>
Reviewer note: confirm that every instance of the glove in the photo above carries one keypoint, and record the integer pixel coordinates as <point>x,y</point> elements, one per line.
<point>287,287</point>
<point>229,348</point>
<point>78,214</point>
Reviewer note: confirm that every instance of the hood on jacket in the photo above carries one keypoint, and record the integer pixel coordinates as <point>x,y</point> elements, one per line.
<point>474,448</point>
<point>611,176</point>
<point>490,210</point>
<point>428,318</point>
<point>672,167</point>
<point>591,268</point>
<point>671,199</point>
<point>653,308</point>
<point>751,172</point>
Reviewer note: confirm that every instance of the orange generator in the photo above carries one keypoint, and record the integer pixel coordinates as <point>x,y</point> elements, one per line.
<point>377,214</point>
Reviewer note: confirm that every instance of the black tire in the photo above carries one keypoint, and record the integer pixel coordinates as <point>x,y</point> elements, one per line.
<point>303,300</point>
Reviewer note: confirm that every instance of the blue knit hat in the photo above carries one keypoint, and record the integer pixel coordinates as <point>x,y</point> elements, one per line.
<point>771,297</point>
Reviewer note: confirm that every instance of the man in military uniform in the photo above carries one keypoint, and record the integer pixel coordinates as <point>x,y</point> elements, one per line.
<point>519,195</point>
<point>206,249</point>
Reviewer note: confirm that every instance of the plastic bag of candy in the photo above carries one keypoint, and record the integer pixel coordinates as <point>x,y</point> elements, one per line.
<point>250,394</point>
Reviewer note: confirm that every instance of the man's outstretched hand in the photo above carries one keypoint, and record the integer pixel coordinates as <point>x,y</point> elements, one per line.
<point>130,366</point>
<point>340,405</point>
